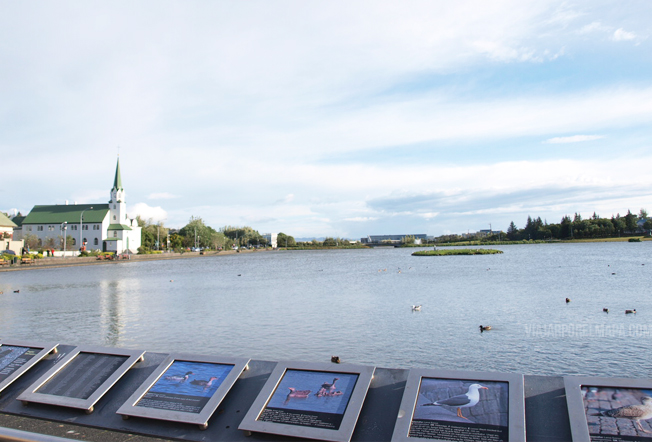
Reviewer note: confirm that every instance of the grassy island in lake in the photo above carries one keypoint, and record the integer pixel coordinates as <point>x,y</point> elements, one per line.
<point>456,252</point>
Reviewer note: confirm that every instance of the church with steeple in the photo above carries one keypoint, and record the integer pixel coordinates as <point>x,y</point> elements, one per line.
<point>104,227</point>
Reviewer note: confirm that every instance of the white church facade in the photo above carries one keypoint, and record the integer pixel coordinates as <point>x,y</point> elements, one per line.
<point>104,227</point>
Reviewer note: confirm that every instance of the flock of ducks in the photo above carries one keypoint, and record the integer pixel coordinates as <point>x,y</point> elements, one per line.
<point>327,389</point>
<point>606,310</point>
<point>483,328</point>
<point>179,378</point>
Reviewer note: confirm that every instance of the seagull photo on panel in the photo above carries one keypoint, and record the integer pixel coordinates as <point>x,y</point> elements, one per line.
<point>463,401</point>
<point>468,399</point>
<point>619,412</point>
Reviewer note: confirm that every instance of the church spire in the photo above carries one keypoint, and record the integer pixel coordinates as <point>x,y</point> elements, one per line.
<point>117,182</point>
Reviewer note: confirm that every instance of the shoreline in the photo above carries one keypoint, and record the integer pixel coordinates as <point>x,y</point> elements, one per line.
<point>54,263</point>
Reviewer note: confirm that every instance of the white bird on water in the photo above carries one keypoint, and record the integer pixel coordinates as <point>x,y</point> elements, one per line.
<point>469,399</point>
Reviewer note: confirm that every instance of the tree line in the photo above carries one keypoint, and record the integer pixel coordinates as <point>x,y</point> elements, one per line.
<point>155,236</point>
<point>579,228</point>
<point>197,234</point>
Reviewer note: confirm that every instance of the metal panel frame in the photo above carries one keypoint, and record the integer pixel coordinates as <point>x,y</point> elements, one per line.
<point>574,400</point>
<point>46,349</point>
<point>349,419</point>
<point>32,395</point>
<point>129,408</point>
<point>516,401</point>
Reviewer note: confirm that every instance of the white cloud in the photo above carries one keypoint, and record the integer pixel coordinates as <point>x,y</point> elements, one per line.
<point>595,26</point>
<point>573,139</point>
<point>621,35</point>
<point>147,212</point>
<point>285,200</point>
<point>615,35</point>
<point>251,110</point>
<point>361,219</point>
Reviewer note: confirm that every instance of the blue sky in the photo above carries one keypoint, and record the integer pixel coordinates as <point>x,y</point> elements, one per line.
<point>330,118</point>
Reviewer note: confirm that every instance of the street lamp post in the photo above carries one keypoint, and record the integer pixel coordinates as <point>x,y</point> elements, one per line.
<point>81,233</point>
<point>64,227</point>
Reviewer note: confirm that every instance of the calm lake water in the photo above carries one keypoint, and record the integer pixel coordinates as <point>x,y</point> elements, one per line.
<point>309,305</point>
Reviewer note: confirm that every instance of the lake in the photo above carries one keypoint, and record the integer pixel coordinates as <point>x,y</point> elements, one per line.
<point>309,305</point>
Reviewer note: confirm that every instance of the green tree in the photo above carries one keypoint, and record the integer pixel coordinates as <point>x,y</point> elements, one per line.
<point>618,223</point>
<point>176,241</point>
<point>512,231</point>
<point>31,241</point>
<point>218,240</point>
<point>630,222</point>
<point>566,225</point>
<point>243,236</point>
<point>50,243</point>
<point>196,233</point>
<point>532,227</point>
<point>329,242</point>
<point>151,234</point>
<point>647,225</point>
<point>284,240</point>
<point>409,239</point>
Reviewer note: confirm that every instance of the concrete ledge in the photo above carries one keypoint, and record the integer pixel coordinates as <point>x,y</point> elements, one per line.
<point>545,409</point>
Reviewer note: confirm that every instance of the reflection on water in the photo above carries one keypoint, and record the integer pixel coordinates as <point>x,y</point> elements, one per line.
<point>111,308</point>
<point>357,304</point>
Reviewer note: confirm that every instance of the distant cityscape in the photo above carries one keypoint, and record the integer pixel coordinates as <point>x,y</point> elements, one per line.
<point>103,227</point>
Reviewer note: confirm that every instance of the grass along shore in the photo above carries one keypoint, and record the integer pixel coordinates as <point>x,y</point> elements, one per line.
<point>538,241</point>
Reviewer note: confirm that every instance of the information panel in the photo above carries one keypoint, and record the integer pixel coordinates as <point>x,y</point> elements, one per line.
<point>82,377</point>
<point>450,406</point>
<point>185,388</point>
<point>315,399</point>
<point>310,400</point>
<point>609,410</point>
<point>16,357</point>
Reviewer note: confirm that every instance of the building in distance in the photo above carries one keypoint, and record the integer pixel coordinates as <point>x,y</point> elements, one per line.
<point>103,227</point>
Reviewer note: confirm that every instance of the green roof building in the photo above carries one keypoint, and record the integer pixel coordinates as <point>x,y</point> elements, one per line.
<point>94,226</point>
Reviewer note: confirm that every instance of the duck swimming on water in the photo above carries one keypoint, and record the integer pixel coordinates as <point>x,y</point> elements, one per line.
<point>201,383</point>
<point>327,388</point>
<point>179,378</point>
<point>484,328</point>
<point>298,393</point>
